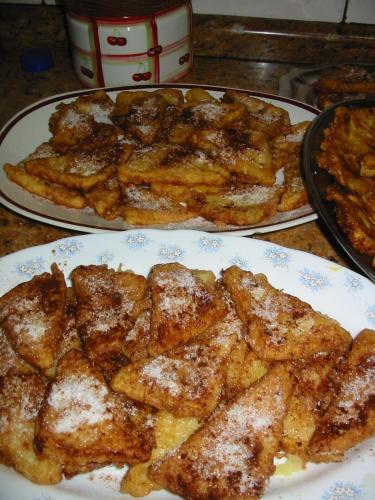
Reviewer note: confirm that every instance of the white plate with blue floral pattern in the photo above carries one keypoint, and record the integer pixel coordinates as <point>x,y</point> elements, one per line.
<point>29,128</point>
<point>328,287</point>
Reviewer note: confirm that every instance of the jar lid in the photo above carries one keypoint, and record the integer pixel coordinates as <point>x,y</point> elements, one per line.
<point>120,8</point>
<point>36,60</point>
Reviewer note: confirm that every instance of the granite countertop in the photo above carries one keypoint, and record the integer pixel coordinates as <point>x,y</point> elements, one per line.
<point>214,64</point>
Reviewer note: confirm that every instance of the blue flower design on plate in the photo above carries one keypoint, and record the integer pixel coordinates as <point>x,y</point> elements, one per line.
<point>313,280</point>
<point>343,491</point>
<point>371,314</point>
<point>211,245</point>
<point>277,256</point>
<point>105,257</point>
<point>136,240</point>
<point>69,248</point>
<point>30,267</point>
<point>239,261</point>
<point>171,252</point>
<point>353,282</point>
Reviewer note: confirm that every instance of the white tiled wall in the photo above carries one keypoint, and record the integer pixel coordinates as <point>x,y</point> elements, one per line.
<point>359,11</point>
<point>305,10</point>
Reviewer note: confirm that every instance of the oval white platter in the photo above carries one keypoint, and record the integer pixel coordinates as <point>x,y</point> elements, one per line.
<point>329,288</point>
<point>29,128</point>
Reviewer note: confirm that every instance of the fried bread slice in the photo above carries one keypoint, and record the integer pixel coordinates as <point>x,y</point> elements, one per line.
<point>142,206</point>
<point>10,361</point>
<point>76,131</point>
<point>244,369</point>
<point>281,326</point>
<point>105,198</point>
<point>186,381</point>
<point>61,195</point>
<point>183,307</point>
<point>263,116</point>
<point>179,164</point>
<point>81,171</point>
<point>108,303</point>
<point>32,315</point>
<point>170,432</point>
<point>82,423</point>
<point>242,206</point>
<point>231,455</point>
<point>70,338</point>
<point>98,104</point>
<point>137,338</point>
<point>311,390</point>
<point>21,397</point>
<point>350,418</point>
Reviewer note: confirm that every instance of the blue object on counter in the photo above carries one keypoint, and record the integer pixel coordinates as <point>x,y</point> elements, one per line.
<point>36,60</point>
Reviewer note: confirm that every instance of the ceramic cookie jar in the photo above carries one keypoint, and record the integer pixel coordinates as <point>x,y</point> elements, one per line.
<point>130,43</point>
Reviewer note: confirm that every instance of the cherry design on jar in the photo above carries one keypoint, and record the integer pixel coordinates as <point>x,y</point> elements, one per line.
<point>85,70</point>
<point>155,51</point>
<point>141,74</point>
<point>116,39</point>
<point>185,58</point>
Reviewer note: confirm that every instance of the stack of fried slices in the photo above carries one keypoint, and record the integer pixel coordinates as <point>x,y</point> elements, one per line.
<point>160,157</point>
<point>343,83</point>
<point>348,154</point>
<point>196,383</point>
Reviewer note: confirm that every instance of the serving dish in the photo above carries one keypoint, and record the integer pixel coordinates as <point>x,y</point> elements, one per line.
<point>298,83</point>
<point>317,180</point>
<point>29,128</point>
<point>328,287</point>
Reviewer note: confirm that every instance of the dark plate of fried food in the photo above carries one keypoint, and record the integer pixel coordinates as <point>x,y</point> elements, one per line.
<point>325,85</point>
<point>168,157</point>
<point>151,364</point>
<point>338,162</point>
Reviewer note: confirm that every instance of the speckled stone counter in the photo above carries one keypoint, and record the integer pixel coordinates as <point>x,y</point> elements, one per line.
<point>22,27</point>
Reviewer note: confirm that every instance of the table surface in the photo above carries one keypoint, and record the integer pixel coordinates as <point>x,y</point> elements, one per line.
<point>20,89</point>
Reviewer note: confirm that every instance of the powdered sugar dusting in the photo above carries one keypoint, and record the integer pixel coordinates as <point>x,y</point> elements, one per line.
<point>79,400</point>
<point>353,393</point>
<point>180,293</point>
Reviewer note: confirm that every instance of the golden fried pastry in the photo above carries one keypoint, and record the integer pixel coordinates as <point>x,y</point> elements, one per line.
<point>170,432</point>
<point>295,194</point>
<point>244,368</point>
<point>180,193</point>
<point>354,221</point>
<point>53,192</point>
<point>350,418</point>
<point>242,206</point>
<point>346,79</point>
<point>183,307</point>
<point>70,338</point>
<point>81,171</point>
<point>211,114</point>
<point>177,164</point>
<point>137,338</point>
<point>75,131</point>
<point>281,326</point>
<point>105,198</point>
<point>311,390</point>
<point>10,361</point>
<point>265,117</point>
<point>82,424</point>
<point>108,304</point>
<point>142,206</point>
<point>231,455</point>
<point>32,316</point>
<point>21,396</point>
<point>98,104</point>
<point>186,381</point>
